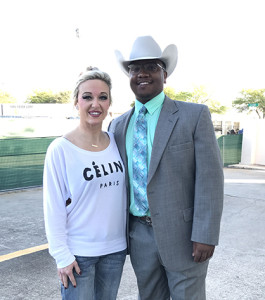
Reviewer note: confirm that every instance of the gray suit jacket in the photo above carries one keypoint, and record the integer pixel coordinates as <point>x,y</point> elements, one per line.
<point>185,180</point>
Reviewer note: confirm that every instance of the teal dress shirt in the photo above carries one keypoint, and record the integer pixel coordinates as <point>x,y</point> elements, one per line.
<point>154,107</point>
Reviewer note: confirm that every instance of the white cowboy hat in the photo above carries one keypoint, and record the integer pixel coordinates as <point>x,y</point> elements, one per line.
<point>145,47</point>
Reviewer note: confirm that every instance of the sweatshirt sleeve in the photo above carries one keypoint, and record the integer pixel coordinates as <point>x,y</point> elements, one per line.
<point>54,202</point>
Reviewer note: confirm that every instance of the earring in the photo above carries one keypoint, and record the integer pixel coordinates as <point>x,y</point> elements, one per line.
<point>77,107</point>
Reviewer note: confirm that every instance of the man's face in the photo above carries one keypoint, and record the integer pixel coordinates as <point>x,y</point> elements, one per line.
<point>147,79</point>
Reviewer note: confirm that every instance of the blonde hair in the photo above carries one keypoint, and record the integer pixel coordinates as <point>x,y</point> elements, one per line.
<point>91,73</point>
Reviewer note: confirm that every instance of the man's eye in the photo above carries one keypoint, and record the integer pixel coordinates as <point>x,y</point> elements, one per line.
<point>135,69</point>
<point>151,67</point>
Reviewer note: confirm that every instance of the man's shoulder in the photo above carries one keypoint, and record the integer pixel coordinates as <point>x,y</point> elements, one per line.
<point>183,105</point>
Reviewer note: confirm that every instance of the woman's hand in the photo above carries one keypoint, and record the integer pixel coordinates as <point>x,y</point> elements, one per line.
<point>67,272</point>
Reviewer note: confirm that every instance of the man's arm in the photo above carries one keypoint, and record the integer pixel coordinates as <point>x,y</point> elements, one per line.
<point>209,184</point>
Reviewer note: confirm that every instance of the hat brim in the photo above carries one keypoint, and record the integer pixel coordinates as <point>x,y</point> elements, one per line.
<point>169,57</point>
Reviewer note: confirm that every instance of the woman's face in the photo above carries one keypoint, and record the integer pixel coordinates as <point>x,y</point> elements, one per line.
<point>93,101</point>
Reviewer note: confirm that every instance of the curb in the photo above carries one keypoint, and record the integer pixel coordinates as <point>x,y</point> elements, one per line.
<point>247,167</point>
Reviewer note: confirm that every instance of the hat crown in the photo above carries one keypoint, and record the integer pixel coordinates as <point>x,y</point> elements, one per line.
<point>145,46</point>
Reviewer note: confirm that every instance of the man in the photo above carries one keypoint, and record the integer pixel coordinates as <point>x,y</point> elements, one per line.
<point>175,225</point>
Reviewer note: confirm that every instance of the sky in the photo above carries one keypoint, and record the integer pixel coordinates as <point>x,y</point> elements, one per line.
<point>220,43</point>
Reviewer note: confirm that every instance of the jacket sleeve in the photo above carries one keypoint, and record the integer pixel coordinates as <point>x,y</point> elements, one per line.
<point>209,182</point>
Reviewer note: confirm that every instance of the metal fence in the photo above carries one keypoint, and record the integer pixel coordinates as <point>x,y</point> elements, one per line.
<point>22,159</point>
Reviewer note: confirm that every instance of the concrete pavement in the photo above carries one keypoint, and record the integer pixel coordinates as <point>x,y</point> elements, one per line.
<point>235,272</point>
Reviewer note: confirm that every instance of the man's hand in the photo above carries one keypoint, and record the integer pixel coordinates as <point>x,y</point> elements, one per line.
<point>202,252</point>
<point>67,272</point>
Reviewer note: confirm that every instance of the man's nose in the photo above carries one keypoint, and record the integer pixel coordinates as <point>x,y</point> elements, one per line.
<point>143,72</point>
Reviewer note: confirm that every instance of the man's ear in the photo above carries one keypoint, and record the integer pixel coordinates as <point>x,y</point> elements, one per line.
<point>165,77</point>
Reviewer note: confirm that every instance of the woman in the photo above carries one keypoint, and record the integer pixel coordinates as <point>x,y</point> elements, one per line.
<point>85,198</point>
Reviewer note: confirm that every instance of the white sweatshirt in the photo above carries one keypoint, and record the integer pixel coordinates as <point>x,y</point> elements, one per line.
<point>84,201</point>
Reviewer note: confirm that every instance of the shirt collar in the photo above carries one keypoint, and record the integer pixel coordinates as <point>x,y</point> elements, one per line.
<point>152,105</point>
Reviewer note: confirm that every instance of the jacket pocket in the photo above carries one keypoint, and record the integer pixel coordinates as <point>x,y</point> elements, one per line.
<point>181,147</point>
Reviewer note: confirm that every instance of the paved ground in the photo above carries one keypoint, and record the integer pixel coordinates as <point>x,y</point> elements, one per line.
<point>236,271</point>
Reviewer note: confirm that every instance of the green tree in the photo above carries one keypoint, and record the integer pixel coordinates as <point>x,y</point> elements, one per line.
<point>64,97</point>
<point>6,98</point>
<point>39,96</point>
<point>251,100</point>
<point>197,95</point>
<point>181,96</point>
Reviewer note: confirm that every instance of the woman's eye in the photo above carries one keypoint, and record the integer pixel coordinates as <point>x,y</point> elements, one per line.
<point>87,97</point>
<point>103,98</point>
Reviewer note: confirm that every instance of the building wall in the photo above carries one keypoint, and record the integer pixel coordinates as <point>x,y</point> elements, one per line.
<point>253,146</point>
<point>37,110</point>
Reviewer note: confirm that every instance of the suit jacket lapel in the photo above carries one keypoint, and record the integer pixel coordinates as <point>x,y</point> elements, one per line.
<point>120,137</point>
<point>166,122</point>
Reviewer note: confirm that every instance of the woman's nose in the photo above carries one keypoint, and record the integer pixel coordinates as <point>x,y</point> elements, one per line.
<point>95,102</point>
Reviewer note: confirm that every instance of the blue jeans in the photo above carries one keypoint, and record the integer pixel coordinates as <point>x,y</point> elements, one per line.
<point>100,278</point>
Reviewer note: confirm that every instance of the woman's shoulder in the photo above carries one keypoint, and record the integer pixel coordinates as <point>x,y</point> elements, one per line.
<point>113,144</point>
<point>56,145</point>
<point>110,134</point>
<point>56,142</point>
